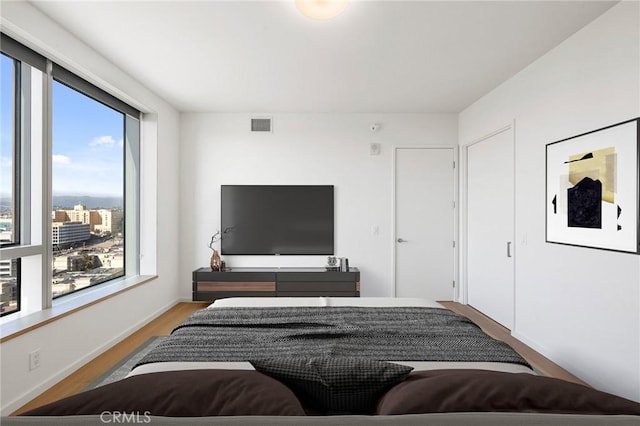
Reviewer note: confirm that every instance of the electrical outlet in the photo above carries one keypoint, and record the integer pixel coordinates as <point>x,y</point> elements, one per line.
<point>34,359</point>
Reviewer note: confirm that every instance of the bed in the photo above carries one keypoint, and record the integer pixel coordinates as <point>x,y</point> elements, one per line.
<point>335,361</point>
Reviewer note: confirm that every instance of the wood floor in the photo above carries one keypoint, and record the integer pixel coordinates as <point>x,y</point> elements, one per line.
<point>163,325</point>
<point>95,368</point>
<point>495,330</point>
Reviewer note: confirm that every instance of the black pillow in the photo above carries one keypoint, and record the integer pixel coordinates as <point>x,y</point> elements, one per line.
<point>335,385</point>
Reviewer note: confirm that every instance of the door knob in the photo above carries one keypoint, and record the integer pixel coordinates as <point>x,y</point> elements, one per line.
<point>400,240</point>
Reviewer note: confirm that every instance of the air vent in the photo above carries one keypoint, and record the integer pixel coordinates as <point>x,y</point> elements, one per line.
<point>261,125</point>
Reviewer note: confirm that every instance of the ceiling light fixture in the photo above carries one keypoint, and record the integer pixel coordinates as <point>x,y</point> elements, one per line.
<point>321,9</point>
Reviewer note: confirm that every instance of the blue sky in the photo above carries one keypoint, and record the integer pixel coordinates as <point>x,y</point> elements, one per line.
<point>6,76</point>
<point>87,145</point>
<point>87,142</point>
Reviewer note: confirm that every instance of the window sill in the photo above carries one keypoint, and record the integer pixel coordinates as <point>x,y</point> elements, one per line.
<point>67,306</point>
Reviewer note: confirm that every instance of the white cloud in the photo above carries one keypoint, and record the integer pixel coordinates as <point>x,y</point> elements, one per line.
<point>105,141</point>
<point>6,162</point>
<point>60,159</point>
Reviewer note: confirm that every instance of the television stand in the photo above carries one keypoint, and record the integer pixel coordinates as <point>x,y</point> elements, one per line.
<point>210,285</point>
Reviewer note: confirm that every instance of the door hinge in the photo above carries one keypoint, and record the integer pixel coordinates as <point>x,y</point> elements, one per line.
<point>454,244</point>
<point>454,204</point>
<point>454,164</point>
<point>454,284</point>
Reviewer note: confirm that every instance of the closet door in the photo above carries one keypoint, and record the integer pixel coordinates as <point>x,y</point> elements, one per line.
<point>490,226</point>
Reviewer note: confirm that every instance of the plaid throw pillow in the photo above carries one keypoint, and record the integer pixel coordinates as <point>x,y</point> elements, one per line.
<point>336,385</point>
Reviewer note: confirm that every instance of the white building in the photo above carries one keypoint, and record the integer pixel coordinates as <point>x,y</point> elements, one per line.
<point>69,232</point>
<point>110,221</point>
<point>101,221</point>
<point>5,265</point>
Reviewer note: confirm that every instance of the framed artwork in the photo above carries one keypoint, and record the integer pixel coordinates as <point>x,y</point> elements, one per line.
<point>592,189</point>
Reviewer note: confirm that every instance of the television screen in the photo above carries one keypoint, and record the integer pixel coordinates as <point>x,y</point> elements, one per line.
<point>277,219</point>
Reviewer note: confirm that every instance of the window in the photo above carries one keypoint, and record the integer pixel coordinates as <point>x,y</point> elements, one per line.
<point>8,150</point>
<point>10,292</point>
<point>69,167</point>
<point>88,191</point>
<point>9,190</point>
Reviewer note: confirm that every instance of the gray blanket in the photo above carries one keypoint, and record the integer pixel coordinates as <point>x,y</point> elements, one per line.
<point>399,333</point>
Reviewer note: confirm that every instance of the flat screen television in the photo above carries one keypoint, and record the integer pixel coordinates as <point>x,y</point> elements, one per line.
<point>277,219</point>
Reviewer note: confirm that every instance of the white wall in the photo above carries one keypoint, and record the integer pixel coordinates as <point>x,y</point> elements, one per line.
<point>68,343</point>
<point>331,149</point>
<point>580,307</point>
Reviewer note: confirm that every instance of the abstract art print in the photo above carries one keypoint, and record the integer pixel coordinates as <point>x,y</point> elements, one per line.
<point>592,189</point>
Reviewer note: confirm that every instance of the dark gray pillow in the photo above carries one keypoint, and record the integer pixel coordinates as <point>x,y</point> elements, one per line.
<point>335,385</point>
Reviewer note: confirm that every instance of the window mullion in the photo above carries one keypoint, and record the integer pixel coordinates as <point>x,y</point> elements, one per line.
<point>132,196</point>
<point>47,189</point>
<point>24,143</point>
<point>20,251</point>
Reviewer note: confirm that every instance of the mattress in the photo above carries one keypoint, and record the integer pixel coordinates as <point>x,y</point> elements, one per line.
<point>382,302</point>
<point>373,302</point>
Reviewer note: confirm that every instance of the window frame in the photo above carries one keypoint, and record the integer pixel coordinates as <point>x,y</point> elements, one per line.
<point>16,193</point>
<point>16,137</point>
<point>81,87</point>
<point>40,232</point>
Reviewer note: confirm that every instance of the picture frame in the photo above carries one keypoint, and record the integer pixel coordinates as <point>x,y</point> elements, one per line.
<point>593,189</point>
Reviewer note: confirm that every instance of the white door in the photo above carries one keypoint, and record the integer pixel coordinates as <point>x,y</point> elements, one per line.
<point>490,227</point>
<point>424,223</point>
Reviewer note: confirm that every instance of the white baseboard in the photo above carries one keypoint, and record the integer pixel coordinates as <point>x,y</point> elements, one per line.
<point>541,350</point>
<point>51,381</point>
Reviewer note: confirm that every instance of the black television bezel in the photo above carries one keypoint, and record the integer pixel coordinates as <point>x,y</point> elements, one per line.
<point>296,253</point>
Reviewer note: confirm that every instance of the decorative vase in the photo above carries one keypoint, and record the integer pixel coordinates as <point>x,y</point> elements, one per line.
<point>215,261</point>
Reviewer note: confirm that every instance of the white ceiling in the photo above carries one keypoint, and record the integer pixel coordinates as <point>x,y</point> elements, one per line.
<point>378,56</point>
